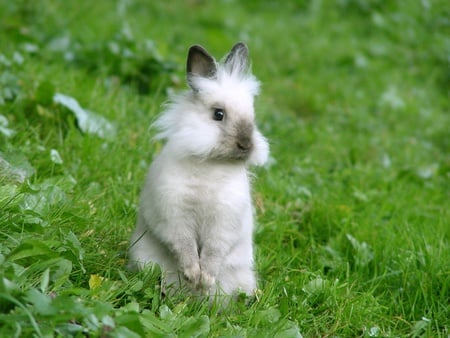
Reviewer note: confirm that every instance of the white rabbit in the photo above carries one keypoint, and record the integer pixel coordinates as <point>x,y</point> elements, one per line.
<point>196,216</point>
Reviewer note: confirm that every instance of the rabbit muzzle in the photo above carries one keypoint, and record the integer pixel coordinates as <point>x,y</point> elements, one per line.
<point>244,140</point>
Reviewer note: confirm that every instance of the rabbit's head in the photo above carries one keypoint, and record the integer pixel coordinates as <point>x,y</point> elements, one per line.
<point>215,120</point>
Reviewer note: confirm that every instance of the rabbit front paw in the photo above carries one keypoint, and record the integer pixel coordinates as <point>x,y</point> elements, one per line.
<point>207,280</point>
<point>193,274</point>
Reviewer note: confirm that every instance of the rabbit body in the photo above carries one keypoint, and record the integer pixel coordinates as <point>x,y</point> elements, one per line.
<point>196,215</point>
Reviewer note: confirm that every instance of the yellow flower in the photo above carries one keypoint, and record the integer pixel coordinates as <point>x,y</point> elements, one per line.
<point>95,281</point>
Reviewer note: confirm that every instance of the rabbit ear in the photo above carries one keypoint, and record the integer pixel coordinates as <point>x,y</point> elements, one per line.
<point>237,59</point>
<point>199,63</point>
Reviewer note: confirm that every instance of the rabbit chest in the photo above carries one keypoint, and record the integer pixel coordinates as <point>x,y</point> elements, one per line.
<point>204,195</point>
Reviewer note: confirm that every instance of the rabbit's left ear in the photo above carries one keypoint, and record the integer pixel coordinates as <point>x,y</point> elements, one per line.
<point>199,63</point>
<point>237,59</point>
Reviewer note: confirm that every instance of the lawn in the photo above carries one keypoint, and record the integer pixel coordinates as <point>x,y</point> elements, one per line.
<point>353,220</point>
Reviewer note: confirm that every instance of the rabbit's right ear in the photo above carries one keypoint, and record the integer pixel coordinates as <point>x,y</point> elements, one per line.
<point>199,63</point>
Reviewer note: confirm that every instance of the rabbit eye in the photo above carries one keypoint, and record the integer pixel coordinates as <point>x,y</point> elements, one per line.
<point>219,114</point>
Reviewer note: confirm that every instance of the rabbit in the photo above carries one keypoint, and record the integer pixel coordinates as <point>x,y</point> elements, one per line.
<point>195,218</point>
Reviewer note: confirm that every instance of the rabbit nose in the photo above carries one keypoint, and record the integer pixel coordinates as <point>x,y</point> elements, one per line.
<point>244,143</point>
<point>244,132</point>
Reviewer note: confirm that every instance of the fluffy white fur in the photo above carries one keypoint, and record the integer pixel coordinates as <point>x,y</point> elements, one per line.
<point>196,216</point>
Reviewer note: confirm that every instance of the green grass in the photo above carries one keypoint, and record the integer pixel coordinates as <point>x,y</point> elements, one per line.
<point>353,209</point>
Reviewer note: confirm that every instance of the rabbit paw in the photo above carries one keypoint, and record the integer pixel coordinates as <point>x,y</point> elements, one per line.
<point>207,280</point>
<point>193,274</point>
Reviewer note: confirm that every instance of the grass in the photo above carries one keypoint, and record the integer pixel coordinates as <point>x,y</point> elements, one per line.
<point>353,209</point>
